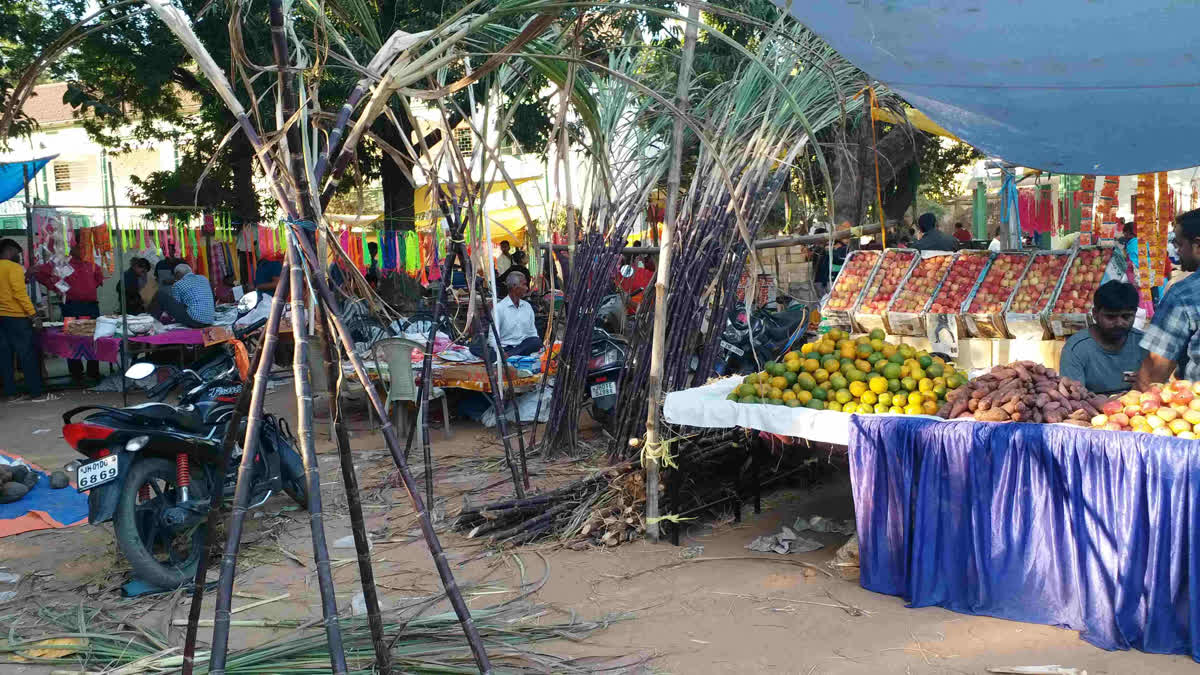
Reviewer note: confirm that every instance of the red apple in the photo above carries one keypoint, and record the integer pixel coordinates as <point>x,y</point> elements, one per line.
<point>1099,420</point>
<point>1133,410</point>
<point>1112,426</point>
<point>1111,407</point>
<point>1119,418</point>
<point>1149,406</point>
<point>1166,414</point>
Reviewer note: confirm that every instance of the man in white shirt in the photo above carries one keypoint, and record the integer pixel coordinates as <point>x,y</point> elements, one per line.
<point>504,260</point>
<point>514,321</point>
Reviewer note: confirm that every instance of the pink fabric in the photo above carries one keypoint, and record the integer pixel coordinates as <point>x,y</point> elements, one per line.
<point>57,343</point>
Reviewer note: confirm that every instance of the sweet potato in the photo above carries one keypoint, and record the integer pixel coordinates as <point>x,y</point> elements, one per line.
<point>972,404</point>
<point>996,415</point>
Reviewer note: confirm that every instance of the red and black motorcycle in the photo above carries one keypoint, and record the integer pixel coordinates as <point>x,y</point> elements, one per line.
<point>152,468</point>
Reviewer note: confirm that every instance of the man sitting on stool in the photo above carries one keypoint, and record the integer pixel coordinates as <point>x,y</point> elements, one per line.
<point>189,300</point>
<point>514,322</point>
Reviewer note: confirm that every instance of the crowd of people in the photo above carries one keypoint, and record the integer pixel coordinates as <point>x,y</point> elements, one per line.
<point>182,297</point>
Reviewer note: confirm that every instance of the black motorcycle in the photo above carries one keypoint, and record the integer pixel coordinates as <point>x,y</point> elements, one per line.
<point>766,335</point>
<point>608,356</point>
<point>152,468</point>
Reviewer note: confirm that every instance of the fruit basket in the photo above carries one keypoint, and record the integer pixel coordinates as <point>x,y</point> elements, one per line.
<point>892,269</point>
<point>1025,312</point>
<point>906,312</point>
<point>983,311</point>
<point>851,283</point>
<point>1072,304</point>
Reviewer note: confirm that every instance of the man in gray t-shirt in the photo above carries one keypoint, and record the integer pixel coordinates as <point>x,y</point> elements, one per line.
<point>1105,356</point>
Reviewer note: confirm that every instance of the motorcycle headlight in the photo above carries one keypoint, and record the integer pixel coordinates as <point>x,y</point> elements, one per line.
<point>136,443</point>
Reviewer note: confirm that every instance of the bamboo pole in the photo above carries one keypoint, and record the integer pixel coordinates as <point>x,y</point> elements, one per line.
<point>217,501</point>
<point>453,593</point>
<point>241,493</point>
<point>653,443</point>
<point>316,521</point>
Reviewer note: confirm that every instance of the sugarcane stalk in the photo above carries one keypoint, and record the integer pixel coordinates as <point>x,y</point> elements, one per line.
<point>293,147</point>
<point>664,275</point>
<point>362,546</point>
<point>439,309</point>
<point>546,517</point>
<point>241,492</point>
<point>316,520</point>
<point>218,500</point>
<point>453,593</point>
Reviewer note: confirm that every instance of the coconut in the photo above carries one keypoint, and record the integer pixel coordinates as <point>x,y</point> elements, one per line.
<point>59,480</point>
<point>30,480</point>
<point>18,473</point>
<point>6,473</point>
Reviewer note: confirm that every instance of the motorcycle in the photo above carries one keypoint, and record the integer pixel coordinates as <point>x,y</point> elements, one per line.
<point>767,335</point>
<point>152,468</point>
<point>608,356</point>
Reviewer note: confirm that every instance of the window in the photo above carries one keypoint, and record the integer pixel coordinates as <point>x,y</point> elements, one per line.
<point>464,140</point>
<point>62,177</point>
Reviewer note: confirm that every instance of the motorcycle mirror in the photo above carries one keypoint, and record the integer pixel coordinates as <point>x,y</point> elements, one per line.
<point>249,301</point>
<point>139,370</point>
<point>626,271</point>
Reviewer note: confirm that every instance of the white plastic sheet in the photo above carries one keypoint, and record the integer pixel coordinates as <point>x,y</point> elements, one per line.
<point>706,407</point>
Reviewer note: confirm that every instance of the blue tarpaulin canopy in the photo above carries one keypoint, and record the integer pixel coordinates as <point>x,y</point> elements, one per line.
<point>14,174</point>
<point>1071,86</point>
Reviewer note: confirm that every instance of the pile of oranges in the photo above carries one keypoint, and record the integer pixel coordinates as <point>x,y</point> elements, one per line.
<point>865,374</point>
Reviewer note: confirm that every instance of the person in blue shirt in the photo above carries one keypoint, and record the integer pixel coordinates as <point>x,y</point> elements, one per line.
<point>1172,340</point>
<point>266,275</point>
<point>1104,356</point>
<point>189,301</point>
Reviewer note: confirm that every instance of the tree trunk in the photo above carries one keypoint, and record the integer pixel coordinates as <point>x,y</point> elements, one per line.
<point>398,193</point>
<point>241,158</point>
<point>853,169</point>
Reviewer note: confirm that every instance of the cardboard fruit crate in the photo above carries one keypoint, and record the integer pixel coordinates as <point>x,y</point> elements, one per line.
<point>909,320</point>
<point>1028,321</point>
<point>981,321</point>
<point>1071,308</point>
<point>849,288</point>
<point>889,274</point>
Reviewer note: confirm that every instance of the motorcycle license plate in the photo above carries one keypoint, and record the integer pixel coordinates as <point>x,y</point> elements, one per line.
<point>604,389</point>
<point>728,347</point>
<point>99,472</point>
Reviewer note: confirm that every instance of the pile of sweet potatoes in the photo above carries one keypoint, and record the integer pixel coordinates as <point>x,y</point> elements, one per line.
<point>1023,392</point>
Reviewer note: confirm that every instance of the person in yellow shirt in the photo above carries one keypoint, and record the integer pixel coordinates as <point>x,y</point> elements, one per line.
<point>16,324</point>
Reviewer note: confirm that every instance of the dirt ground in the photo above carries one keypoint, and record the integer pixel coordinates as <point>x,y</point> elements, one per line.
<point>737,616</point>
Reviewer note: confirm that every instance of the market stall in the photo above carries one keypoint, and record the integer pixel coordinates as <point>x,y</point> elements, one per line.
<point>54,342</point>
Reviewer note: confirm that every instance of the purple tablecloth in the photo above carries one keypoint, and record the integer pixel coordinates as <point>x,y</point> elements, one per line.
<point>1090,530</point>
<point>57,343</point>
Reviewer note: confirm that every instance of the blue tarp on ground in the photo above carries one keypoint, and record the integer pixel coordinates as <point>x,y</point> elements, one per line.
<point>1071,86</point>
<point>1096,531</point>
<point>13,174</point>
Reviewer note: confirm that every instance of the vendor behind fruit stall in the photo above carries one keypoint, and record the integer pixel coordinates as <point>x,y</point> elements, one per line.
<point>933,239</point>
<point>1104,356</point>
<point>1172,340</point>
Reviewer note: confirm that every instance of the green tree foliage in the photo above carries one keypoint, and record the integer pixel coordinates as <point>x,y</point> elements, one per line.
<point>26,27</point>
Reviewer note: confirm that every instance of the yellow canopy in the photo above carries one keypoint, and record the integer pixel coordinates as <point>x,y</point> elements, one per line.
<point>508,223</point>
<point>914,117</point>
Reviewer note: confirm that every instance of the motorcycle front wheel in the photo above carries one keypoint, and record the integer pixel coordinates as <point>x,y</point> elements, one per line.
<point>159,555</point>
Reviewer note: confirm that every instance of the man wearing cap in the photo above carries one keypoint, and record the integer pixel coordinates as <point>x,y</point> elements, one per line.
<point>189,300</point>
<point>933,239</point>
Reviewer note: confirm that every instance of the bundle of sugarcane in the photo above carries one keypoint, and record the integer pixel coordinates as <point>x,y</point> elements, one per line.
<point>620,190</point>
<point>563,513</point>
<point>758,122</point>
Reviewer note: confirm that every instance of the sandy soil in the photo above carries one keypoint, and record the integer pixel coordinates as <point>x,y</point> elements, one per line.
<point>738,616</point>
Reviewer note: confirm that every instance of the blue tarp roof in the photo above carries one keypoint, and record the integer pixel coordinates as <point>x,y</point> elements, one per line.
<point>12,177</point>
<point>1072,86</point>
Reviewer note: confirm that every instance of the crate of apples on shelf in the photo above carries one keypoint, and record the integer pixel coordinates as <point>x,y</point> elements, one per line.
<point>892,270</point>
<point>984,317</point>
<point>1172,409</point>
<point>851,282</point>
<point>965,270</point>
<point>1025,316</point>
<point>1073,301</point>
<point>906,312</point>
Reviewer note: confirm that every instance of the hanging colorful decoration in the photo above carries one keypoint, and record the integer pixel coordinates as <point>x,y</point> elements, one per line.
<point>1084,198</point>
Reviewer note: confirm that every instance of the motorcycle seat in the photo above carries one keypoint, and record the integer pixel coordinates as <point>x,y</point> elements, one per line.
<point>182,418</point>
<point>789,320</point>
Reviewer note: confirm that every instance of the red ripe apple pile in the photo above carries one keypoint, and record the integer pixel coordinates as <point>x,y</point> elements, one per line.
<point>851,279</point>
<point>998,284</point>
<point>1165,410</point>
<point>963,274</point>
<point>1040,281</point>
<point>883,286</point>
<point>1082,281</point>
<point>921,284</point>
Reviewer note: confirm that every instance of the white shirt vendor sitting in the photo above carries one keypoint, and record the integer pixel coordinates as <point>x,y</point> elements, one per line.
<point>514,321</point>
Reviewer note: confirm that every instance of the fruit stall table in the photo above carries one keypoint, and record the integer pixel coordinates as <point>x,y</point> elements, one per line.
<point>1045,523</point>
<point>53,341</point>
